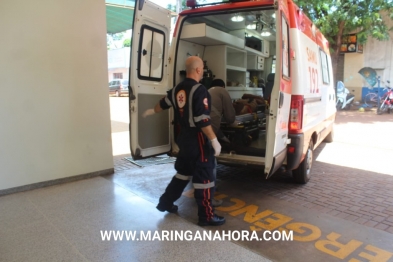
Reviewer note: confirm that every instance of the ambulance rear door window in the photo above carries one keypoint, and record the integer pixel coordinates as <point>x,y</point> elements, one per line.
<point>151,54</point>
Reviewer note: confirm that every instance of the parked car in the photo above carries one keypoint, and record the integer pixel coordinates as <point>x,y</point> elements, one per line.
<point>118,87</point>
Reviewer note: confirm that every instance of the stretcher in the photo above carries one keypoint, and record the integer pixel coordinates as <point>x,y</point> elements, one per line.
<point>246,129</point>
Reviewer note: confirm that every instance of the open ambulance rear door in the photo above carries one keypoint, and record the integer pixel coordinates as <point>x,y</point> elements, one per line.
<point>280,100</point>
<point>148,79</point>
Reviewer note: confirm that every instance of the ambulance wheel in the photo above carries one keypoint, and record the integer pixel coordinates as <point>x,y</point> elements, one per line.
<point>303,172</point>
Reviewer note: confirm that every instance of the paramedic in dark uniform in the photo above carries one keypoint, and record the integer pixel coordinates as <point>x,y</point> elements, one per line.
<point>198,144</point>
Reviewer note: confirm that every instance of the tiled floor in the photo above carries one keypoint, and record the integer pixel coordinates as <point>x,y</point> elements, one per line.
<point>63,223</point>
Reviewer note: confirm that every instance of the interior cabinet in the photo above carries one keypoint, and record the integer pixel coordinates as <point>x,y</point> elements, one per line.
<point>227,63</point>
<point>255,62</point>
<point>230,64</point>
<point>205,35</point>
<point>265,48</point>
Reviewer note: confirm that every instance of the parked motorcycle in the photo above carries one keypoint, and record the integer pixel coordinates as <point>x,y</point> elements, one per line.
<point>344,98</point>
<point>386,101</point>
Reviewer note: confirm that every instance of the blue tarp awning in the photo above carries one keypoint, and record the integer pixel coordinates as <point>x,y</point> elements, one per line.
<point>119,15</point>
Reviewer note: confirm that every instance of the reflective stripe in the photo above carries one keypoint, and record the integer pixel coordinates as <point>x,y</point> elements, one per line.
<point>183,177</point>
<point>173,97</point>
<point>203,186</point>
<point>190,112</point>
<point>202,117</point>
<point>167,101</point>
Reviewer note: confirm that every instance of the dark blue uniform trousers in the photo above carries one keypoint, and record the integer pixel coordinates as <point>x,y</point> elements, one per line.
<point>203,181</point>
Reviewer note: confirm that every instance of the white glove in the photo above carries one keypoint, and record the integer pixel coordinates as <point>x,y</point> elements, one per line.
<point>148,112</point>
<point>217,147</point>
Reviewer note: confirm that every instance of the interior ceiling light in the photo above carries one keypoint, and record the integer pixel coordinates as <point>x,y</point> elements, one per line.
<point>266,33</point>
<point>251,26</point>
<point>237,18</point>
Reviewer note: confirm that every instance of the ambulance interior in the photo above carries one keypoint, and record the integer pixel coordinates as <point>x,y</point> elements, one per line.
<point>240,49</point>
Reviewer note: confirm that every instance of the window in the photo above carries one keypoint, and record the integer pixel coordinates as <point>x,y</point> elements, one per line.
<point>325,69</point>
<point>151,54</point>
<point>118,75</point>
<point>285,47</point>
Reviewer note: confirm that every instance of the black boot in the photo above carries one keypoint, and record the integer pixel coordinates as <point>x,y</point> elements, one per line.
<point>162,208</point>
<point>214,221</point>
<point>172,193</point>
<point>206,214</point>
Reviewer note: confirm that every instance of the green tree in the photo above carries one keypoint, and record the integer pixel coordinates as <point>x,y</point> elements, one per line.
<point>108,42</point>
<point>111,39</point>
<point>117,36</point>
<point>173,7</point>
<point>336,18</point>
<point>184,5</point>
<point>127,42</point>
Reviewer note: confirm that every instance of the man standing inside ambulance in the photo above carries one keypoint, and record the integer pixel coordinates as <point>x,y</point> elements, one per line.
<point>198,144</point>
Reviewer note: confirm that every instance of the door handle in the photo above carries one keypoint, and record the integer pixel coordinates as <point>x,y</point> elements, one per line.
<point>131,93</point>
<point>281,100</point>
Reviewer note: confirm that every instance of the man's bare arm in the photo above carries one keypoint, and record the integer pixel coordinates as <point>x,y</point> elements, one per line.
<point>157,108</point>
<point>208,131</point>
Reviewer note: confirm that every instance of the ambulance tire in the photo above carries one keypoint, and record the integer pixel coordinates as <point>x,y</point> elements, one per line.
<point>303,172</point>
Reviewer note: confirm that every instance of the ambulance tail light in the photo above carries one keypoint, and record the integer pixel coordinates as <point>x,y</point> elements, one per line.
<point>296,115</point>
<point>291,149</point>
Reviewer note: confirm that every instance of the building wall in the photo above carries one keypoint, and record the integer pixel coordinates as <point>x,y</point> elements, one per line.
<point>340,69</point>
<point>54,107</point>
<point>123,71</point>
<point>377,55</point>
<point>352,79</point>
<point>118,62</point>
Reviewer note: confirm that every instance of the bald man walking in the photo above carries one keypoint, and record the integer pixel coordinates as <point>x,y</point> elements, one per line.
<point>198,144</point>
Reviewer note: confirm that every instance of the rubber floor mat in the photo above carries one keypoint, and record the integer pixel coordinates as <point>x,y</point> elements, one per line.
<point>155,160</point>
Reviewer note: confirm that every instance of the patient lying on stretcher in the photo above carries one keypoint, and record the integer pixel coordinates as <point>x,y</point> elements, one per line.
<point>249,104</point>
<point>249,116</point>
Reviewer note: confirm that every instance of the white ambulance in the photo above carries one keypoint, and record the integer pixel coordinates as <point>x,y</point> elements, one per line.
<point>240,41</point>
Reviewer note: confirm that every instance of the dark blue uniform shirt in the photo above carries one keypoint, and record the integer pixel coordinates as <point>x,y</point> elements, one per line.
<point>191,104</point>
